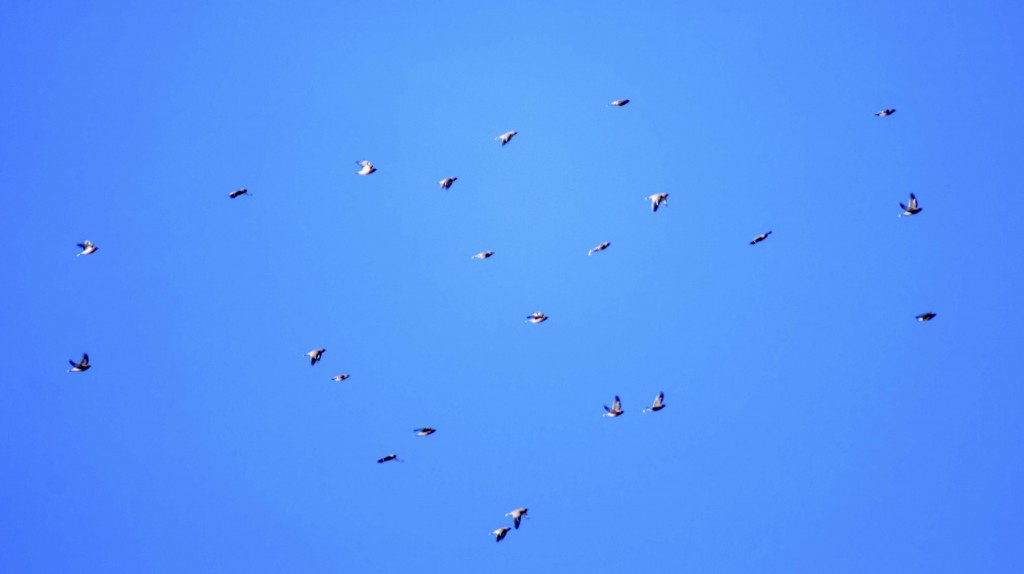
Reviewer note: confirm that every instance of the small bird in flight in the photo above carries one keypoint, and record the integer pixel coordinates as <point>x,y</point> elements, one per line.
<point>760,238</point>
<point>506,137</point>
<point>87,247</point>
<point>238,192</point>
<point>367,167</point>
<point>911,208</point>
<point>483,255</point>
<point>657,200</point>
<point>658,404</point>
<point>500,533</point>
<point>616,409</point>
<point>82,365</point>
<point>887,112</point>
<point>619,103</point>
<point>601,247</point>
<point>447,182</point>
<point>340,378</point>
<point>391,456</point>
<point>537,317</point>
<point>314,356</point>
<point>925,316</point>
<point>425,431</point>
<point>517,515</point>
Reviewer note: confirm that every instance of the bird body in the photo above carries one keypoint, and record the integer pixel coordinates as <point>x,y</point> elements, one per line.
<point>619,103</point>
<point>391,456</point>
<point>616,409</point>
<point>500,533</point>
<point>367,168</point>
<point>658,404</point>
<point>80,366</point>
<point>506,137</point>
<point>925,317</point>
<point>601,247</point>
<point>911,208</point>
<point>447,182</point>
<point>760,238</point>
<point>537,317</point>
<point>886,112</point>
<point>87,247</point>
<point>425,431</point>
<point>483,255</point>
<point>238,192</point>
<point>657,200</point>
<point>314,356</point>
<point>340,378</point>
<point>517,515</point>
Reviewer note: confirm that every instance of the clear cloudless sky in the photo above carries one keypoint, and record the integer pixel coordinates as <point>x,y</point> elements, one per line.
<point>812,424</point>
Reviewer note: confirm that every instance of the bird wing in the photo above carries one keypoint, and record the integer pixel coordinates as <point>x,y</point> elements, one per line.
<point>617,405</point>
<point>516,518</point>
<point>658,399</point>
<point>913,201</point>
<point>85,360</point>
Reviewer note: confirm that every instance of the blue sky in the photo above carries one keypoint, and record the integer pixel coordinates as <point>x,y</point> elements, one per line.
<point>812,425</point>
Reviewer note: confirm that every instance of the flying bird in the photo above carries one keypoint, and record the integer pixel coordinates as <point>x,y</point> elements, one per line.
<point>925,316</point>
<point>340,378</point>
<point>500,533</point>
<point>887,112</point>
<point>82,365</point>
<point>314,356</point>
<point>447,182</point>
<point>483,255</point>
<point>425,431</point>
<point>537,317</point>
<point>760,238</point>
<point>619,103</point>
<point>367,167</point>
<point>238,192</point>
<point>506,137</point>
<point>658,404</point>
<point>616,409</point>
<point>87,247</point>
<point>391,456</point>
<point>517,515</point>
<point>911,208</point>
<point>657,200</point>
<point>601,247</point>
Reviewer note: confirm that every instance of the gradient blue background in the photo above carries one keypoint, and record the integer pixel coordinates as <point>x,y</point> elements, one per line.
<point>812,425</point>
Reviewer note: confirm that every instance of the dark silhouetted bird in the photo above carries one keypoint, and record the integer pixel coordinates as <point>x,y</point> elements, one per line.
<point>601,247</point>
<point>887,112</point>
<point>340,378</point>
<point>910,208</point>
<point>82,365</point>
<point>925,316</point>
<point>425,431</point>
<point>87,247</point>
<point>506,137</point>
<point>483,255</point>
<point>517,515</point>
<point>657,200</point>
<point>314,356</point>
<point>760,238</point>
<point>537,317</point>
<point>238,192</point>
<point>447,182</point>
<point>391,456</point>
<point>619,103</point>
<point>500,533</point>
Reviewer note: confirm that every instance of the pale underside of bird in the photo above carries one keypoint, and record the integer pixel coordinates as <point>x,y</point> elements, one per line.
<point>537,317</point>
<point>517,516</point>
<point>80,366</point>
<point>601,247</point>
<point>314,356</point>
<point>425,431</point>
<point>910,208</point>
<point>483,255</point>
<point>238,192</point>
<point>447,182</point>
<point>886,112</point>
<point>760,238</point>
<point>616,409</point>
<point>925,316</point>
<point>657,200</point>
<point>341,377</point>
<point>391,456</point>
<point>506,137</point>
<point>87,247</point>
<point>367,167</point>
<point>619,103</point>
<point>500,533</point>
<point>658,404</point>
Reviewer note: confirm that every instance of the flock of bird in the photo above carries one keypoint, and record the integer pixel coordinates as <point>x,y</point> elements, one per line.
<point>656,200</point>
